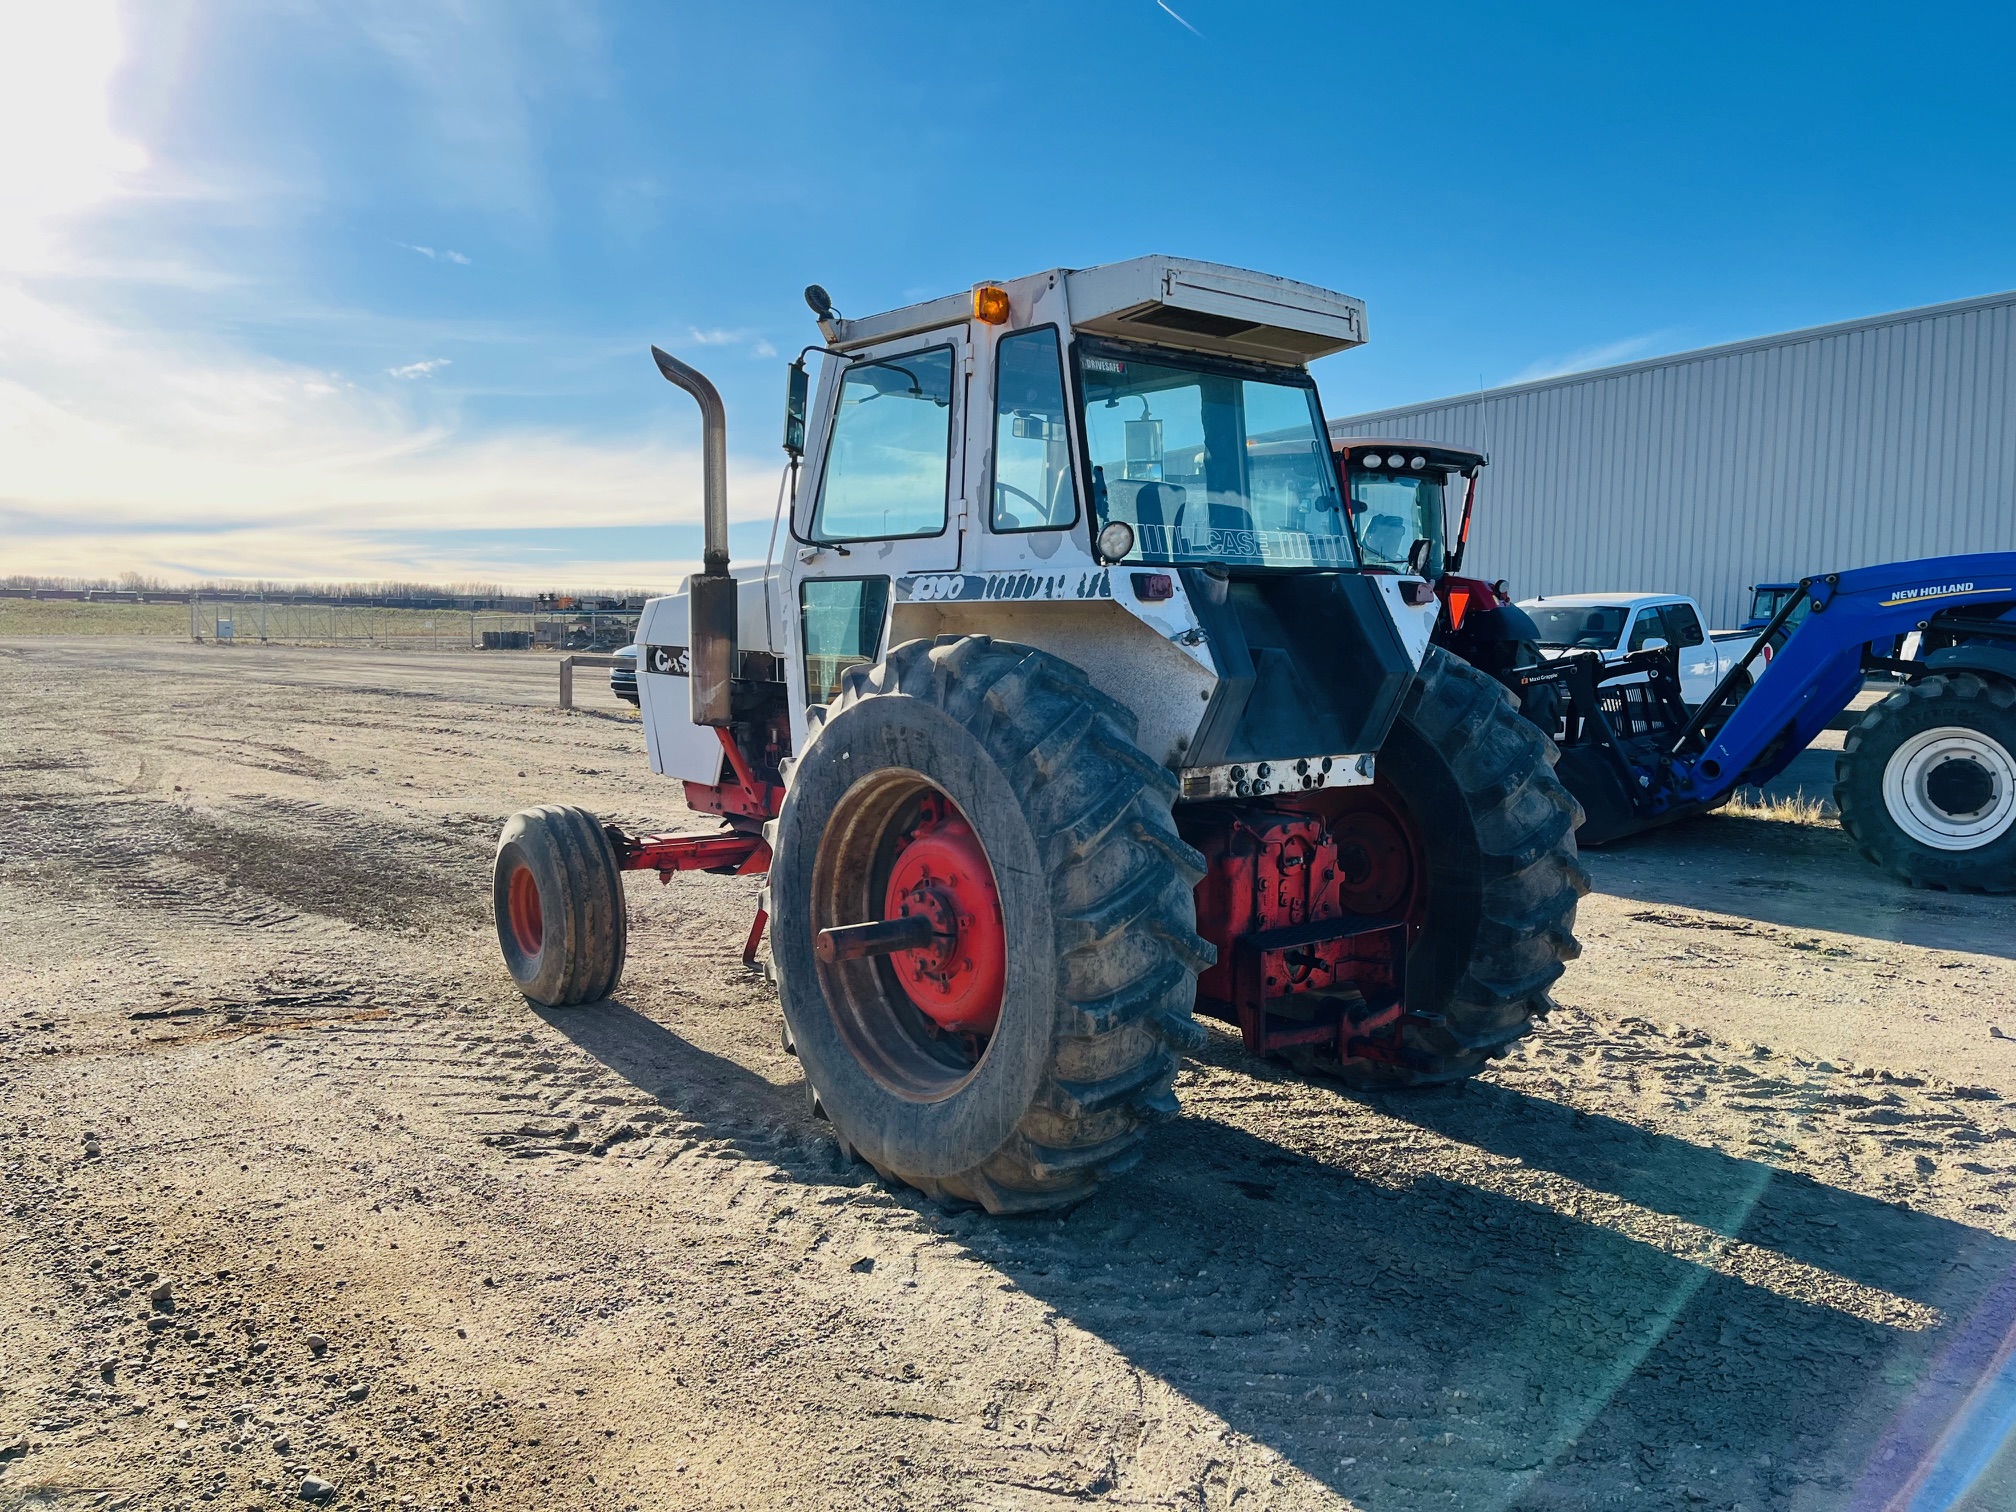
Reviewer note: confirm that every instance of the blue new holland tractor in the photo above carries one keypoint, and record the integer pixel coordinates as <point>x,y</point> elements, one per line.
<point>1926,783</point>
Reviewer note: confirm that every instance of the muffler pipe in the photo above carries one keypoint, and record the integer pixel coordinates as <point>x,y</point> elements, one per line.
<point>711,595</point>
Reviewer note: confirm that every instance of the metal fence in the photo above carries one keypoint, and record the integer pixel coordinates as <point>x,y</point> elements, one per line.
<point>256,622</point>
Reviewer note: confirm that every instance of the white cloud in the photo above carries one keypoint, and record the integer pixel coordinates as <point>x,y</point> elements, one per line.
<point>130,447</point>
<point>756,345</point>
<point>1606,355</point>
<point>433,254</point>
<point>126,451</point>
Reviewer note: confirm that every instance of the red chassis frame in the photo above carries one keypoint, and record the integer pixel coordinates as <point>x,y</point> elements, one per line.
<point>730,853</point>
<point>1297,967</point>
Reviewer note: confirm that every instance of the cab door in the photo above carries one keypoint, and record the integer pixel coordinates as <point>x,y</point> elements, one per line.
<point>887,498</point>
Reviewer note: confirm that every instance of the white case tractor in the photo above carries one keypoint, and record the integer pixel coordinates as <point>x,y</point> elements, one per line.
<point>1071,712</point>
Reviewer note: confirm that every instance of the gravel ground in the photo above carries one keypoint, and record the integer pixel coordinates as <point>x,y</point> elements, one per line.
<point>300,1199</point>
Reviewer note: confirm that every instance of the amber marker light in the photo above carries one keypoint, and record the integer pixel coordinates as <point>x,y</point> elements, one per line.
<point>990,304</point>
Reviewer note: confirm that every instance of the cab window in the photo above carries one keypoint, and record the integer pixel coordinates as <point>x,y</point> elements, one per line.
<point>888,458</point>
<point>1650,625</point>
<point>1394,509</point>
<point>842,620</point>
<point>1684,624</point>
<point>1033,488</point>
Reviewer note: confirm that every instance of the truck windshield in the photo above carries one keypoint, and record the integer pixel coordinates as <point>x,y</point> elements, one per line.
<point>1577,627</point>
<point>1210,462</point>
<point>1393,510</point>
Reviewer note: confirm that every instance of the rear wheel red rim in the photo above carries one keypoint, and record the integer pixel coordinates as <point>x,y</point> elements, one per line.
<point>528,921</point>
<point>918,1022</point>
<point>1381,870</point>
<point>940,872</point>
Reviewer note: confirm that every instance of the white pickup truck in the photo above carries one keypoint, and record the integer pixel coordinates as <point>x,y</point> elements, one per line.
<point>1616,624</point>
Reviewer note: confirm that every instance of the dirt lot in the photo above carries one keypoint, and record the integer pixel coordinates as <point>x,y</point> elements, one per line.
<point>1732,1231</point>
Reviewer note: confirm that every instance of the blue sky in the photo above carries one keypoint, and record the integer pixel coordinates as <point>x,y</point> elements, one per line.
<point>363,289</point>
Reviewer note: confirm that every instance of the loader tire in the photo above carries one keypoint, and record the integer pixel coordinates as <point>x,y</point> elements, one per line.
<point>1494,831</point>
<point>972,742</point>
<point>557,898</point>
<point>1926,783</point>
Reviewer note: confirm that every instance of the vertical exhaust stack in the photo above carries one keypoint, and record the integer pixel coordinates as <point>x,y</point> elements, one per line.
<point>710,600</point>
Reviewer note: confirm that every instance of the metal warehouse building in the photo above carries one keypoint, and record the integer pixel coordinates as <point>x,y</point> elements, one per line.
<point>1870,441</point>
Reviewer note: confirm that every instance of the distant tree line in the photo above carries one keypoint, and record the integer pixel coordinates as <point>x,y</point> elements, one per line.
<point>145,585</point>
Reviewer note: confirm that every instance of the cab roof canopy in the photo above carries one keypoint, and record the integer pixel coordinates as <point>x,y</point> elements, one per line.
<point>1441,453</point>
<point>1165,301</point>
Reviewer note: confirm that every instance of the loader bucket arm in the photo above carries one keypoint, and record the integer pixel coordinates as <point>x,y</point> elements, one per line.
<point>1820,665</point>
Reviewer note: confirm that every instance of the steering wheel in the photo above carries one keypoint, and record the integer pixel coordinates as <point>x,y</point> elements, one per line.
<point>1000,488</point>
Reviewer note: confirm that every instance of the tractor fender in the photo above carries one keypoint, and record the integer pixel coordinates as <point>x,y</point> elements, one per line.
<point>1990,661</point>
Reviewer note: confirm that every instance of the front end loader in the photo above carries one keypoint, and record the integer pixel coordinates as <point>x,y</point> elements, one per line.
<point>1926,780</point>
<point>1074,710</point>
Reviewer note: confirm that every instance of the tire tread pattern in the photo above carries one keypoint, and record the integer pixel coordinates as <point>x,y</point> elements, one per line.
<point>1121,886</point>
<point>1532,875</point>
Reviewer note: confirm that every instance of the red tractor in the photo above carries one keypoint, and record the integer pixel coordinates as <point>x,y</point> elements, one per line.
<point>1398,493</point>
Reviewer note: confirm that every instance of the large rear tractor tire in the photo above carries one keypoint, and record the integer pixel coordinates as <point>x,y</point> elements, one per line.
<point>1926,783</point>
<point>1470,785</point>
<point>1015,1059</point>
<point>557,898</point>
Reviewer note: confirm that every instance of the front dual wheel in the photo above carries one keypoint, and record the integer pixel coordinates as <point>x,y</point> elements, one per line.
<point>1016,1024</point>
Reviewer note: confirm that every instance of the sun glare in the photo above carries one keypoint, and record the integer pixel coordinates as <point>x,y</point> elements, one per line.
<point>57,64</point>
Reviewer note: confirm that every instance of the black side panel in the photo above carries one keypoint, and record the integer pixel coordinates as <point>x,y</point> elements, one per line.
<point>1997,660</point>
<point>1311,665</point>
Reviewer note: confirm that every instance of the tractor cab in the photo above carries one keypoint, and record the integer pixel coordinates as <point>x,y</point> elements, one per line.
<point>1398,493</point>
<point>1127,463</point>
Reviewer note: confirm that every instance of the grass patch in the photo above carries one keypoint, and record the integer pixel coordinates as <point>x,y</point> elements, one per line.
<point>75,617</point>
<point>1753,803</point>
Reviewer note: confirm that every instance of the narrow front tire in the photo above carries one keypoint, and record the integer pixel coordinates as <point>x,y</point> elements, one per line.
<point>557,899</point>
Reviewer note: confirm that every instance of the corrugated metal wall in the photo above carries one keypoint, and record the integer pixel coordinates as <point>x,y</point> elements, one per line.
<point>1871,441</point>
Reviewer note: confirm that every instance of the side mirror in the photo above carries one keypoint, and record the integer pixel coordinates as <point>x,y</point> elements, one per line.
<point>795,391</point>
<point>1657,643</point>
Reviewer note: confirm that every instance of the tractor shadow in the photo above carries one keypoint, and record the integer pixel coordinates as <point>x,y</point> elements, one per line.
<point>1801,876</point>
<point>1411,1338</point>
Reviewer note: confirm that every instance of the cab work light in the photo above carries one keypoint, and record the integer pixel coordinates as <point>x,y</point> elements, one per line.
<point>990,304</point>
